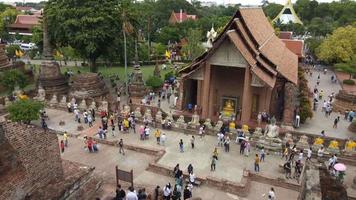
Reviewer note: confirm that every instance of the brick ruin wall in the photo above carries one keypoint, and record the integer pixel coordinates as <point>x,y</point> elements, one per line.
<point>31,160</point>
<point>344,101</point>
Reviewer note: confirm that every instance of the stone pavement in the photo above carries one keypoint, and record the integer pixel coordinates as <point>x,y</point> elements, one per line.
<point>229,166</point>
<point>319,122</point>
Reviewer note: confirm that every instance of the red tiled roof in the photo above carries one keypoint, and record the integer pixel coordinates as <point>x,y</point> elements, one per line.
<point>285,35</point>
<point>250,28</point>
<point>27,19</point>
<point>184,17</point>
<point>295,46</point>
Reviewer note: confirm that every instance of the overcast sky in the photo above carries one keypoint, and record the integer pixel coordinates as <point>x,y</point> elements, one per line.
<point>243,2</point>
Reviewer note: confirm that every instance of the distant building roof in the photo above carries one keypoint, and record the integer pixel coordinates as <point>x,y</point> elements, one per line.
<point>295,46</point>
<point>24,23</point>
<point>24,8</point>
<point>285,35</point>
<point>180,17</point>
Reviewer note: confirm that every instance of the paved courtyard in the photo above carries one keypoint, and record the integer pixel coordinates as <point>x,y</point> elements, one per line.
<point>319,122</point>
<point>229,166</point>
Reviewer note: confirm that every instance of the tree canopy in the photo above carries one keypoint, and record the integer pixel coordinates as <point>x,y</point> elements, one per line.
<point>25,110</point>
<point>88,26</point>
<point>340,46</point>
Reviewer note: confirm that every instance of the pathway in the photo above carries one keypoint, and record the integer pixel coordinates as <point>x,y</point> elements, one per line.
<point>319,122</point>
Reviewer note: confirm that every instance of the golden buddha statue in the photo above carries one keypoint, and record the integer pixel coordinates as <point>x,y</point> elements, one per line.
<point>334,144</point>
<point>318,141</point>
<point>232,125</point>
<point>228,108</point>
<point>245,128</point>
<point>350,145</point>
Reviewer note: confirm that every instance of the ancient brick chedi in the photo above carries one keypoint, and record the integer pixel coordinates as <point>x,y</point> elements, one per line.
<point>29,160</point>
<point>137,88</point>
<point>88,86</point>
<point>52,80</point>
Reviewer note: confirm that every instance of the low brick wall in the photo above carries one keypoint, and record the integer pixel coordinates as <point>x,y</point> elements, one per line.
<point>274,182</point>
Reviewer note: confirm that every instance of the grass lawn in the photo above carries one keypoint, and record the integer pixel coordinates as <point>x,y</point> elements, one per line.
<point>147,71</point>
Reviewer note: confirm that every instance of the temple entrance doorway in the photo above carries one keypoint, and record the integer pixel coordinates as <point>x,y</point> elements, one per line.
<point>191,90</point>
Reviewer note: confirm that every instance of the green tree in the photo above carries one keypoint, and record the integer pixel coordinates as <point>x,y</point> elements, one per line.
<point>7,17</point>
<point>12,78</point>
<point>338,47</point>
<point>348,67</point>
<point>272,10</point>
<point>25,110</point>
<point>89,26</point>
<point>37,37</point>
<point>194,47</point>
<point>154,82</point>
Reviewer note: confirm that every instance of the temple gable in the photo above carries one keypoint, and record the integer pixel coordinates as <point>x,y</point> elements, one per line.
<point>227,55</point>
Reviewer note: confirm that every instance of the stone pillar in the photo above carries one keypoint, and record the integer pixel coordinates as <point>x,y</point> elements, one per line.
<point>199,93</point>
<point>268,99</point>
<point>290,102</point>
<point>180,100</point>
<point>246,97</point>
<point>206,90</point>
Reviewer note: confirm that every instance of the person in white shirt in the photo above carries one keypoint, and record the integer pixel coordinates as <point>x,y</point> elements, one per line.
<point>271,194</point>
<point>167,192</point>
<point>300,157</point>
<point>321,152</point>
<point>192,178</point>
<point>131,195</point>
<point>163,139</point>
<point>309,154</point>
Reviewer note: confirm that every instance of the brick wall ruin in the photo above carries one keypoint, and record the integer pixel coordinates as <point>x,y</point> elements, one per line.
<point>29,160</point>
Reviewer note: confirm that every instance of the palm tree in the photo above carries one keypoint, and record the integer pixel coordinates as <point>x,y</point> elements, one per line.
<point>127,18</point>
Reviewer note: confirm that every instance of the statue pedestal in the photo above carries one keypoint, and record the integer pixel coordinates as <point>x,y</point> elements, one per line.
<point>303,142</point>
<point>272,144</point>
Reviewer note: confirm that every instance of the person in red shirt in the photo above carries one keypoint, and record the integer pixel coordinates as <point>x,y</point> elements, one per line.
<point>62,146</point>
<point>90,145</point>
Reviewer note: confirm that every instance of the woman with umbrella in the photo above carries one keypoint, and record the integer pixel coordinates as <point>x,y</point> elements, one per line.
<point>340,171</point>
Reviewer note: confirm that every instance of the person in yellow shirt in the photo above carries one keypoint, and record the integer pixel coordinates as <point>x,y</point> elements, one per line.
<point>126,124</point>
<point>215,153</point>
<point>158,136</point>
<point>257,163</point>
<point>65,138</point>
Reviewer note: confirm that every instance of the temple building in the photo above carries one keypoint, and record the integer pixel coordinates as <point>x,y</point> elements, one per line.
<point>293,44</point>
<point>288,15</point>
<point>24,24</point>
<point>248,70</point>
<point>180,17</point>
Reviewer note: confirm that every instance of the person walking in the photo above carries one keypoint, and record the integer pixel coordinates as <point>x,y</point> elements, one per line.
<point>262,152</point>
<point>242,147</point>
<point>288,169</point>
<point>215,153</point>
<point>131,195</point>
<point>163,139</point>
<point>271,194</point>
<point>190,168</point>
<point>65,138</point>
<point>227,144</point>
<point>181,146</point>
<point>121,147</point>
<point>62,146</point>
<point>90,120</point>
<point>187,193</point>
<point>309,154</point>
<point>257,163</point>
<point>158,136</point>
<point>192,140</point>
<point>247,148</point>
<point>120,193</point>
<point>336,120</point>
<point>213,163</point>
<point>167,192</point>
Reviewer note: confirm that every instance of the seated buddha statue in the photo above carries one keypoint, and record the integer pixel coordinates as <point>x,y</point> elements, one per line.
<point>334,144</point>
<point>228,108</point>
